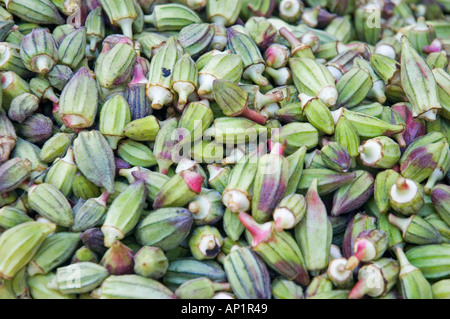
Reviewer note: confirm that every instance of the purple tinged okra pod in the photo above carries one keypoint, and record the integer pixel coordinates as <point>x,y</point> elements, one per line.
<point>278,249</point>
<point>136,96</point>
<point>36,129</point>
<point>390,115</point>
<point>13,173</point>
<point>370,245</point>
<point>153,181</point>
<point>328,180</point>
<point>261,31</point>
<point>23,106</point>
<point>196,38</point>
<point>353,194</point>
<point>252,60</point>
<point>359,223</point>
<point>124,213</point>
<point>440,196</point>
<point>118,259</point>
<point>61,31</point>
<point>277,56</point>
<point>366,125</point>
<point>59,76</point>
<point>234,101</point>
<point>335,157</point>
<point>314,232</point>
<point>115,66</point>
<point>99,169</point>
<point>270,182</point>
<point>165,228</point>
<point>420,160</point>
<point>247,274</point>
<point>93,239</point>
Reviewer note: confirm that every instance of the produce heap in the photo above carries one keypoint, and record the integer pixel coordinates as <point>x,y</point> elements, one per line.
<point>246,149</point>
